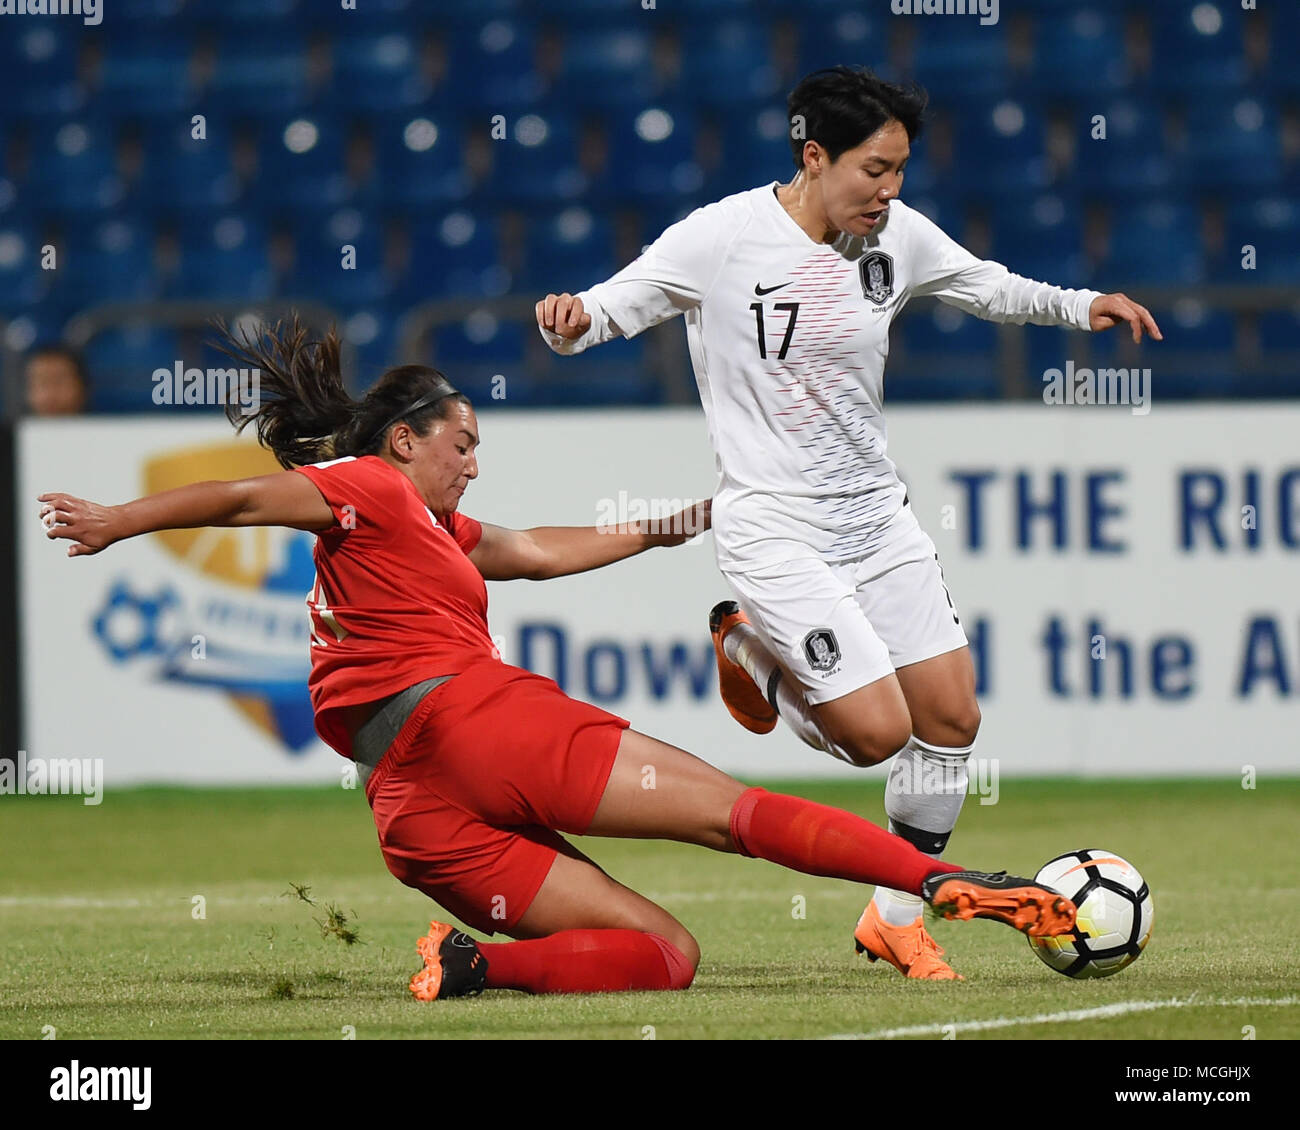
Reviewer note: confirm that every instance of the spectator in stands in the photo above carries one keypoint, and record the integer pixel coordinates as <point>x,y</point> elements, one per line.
<point>57,382</point>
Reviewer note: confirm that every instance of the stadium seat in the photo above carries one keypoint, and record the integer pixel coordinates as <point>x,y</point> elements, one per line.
<point>536,162</point>
<point>245,14</point>
<point>1271,225</point>
<point>652,154</point>
<point>22,282</point>
<point>377,72</point>
<point>419,159</point>
<point>109,260</point>
<point>1197,46</point>
<point>616,373</point>
<point>122,361</point>
<point>183,174</point>
<point>492,68</point>
<point>1005,139</point>
<point>611,66</point>
<point>149,74</point>
<point>1130,158</point>
<point>1240,133</point>
<point>1079,54</point>
<point>320,267</point>
<point>959,59</point>
<point>1279,330</point>
<point>1153,243</point>
<point>568,251</point>
<point>829,35</point>
<point>302,163</point>
<point>74,167</point>
<point>755,150</point>
<point>372,334</point>
<point>223,258</point>
<point>267,74</point>
<point>38,70</point>
<point>454,255</point>
<point>1043,241</point>
<point>728,64</point>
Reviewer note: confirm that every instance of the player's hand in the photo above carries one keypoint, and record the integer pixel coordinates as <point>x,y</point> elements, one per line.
<point>1112,309</point>
<point>685,524</point>
<point>563,314</point>
<point>89,526</point>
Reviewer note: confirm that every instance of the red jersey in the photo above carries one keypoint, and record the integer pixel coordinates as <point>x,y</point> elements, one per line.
<point>396,600</point>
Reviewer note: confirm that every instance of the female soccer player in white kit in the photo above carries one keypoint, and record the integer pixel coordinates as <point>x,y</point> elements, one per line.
<point>844,626</point>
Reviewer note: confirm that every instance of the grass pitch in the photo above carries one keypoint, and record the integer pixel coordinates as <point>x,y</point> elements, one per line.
<point>168,913</point>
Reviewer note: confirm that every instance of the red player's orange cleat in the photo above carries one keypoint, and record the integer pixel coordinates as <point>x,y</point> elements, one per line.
<point>909,949</point>
<point>1023,904</point>
<point>454,966</point>
<point>740,694</point>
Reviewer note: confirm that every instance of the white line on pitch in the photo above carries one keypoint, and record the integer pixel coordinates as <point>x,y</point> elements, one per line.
<point>1121,1008</point>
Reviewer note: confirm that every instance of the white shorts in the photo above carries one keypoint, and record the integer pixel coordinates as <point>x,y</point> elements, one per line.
<point>838,627</point>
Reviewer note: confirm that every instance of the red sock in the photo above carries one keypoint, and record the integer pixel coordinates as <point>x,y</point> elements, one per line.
<point>820,840</point>
<point>587,961</point>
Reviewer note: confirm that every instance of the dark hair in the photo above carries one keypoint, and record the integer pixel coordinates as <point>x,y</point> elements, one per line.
<point>306,414</point>
<point>840,107</point>
<point>70,355</point>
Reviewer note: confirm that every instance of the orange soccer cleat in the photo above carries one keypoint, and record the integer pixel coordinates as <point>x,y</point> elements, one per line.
<point>909,949</point>
<point>740,694</point>
<point>454,966</point>
<point>1023,904</point>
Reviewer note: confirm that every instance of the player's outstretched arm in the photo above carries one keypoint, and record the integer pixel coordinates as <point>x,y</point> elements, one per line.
<point>284,498</point>
<point>558,551</point>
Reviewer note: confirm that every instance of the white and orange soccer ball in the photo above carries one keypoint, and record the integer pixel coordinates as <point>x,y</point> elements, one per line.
<point>1115,913</point>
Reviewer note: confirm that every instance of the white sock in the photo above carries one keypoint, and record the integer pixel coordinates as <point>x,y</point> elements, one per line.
<point>923,798</point>
<point>743,646</point>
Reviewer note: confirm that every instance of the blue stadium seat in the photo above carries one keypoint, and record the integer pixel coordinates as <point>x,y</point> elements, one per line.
<point>1046,347</point>
<point>265,74</point>
<point>1005,139</point>
<point>319,270</point>
<point>829,35</point>
<point>122,362</point>
<point>419,160</point>
<point>1081,54</point>
<point>107,260</point>
<point>1153,243</point>
<point>1043,241</point>
<point>372,333</point>
<point>1280,329</point>
<point>454,255</point>
<point>377,72</point>
<point>1130,158</point>
<point>473,351</point>
<point>942,209</point>
<point>616,373</point>
<point>148,74</point>
<point>492,67</point>
<point>1281,72</point>
<point>183,174</point>
<point>607,66</point>
<point>652,154</point>
<point>728,64</point>
<point>302,163</point>
<point>1271,225</point>
<point>22,282</point>
<point>223,258</point>
<point>569,251</point>
<point>537,161</point>
<point>944,330</point>
<point>38,69</point>
<point>1192,325</point>
<point>755,151</point>
<point>1242,134</point>
<point>74,168</point>
<point>960,58</point>
<point>248,15</point>
<point>1198,46</point>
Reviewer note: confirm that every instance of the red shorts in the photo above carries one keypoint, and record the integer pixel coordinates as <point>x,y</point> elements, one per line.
<point>470,795</point>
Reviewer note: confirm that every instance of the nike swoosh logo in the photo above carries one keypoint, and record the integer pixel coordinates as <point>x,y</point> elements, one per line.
<point>761,290</point>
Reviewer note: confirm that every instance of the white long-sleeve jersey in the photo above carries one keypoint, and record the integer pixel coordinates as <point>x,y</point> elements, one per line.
<point>788,339</point>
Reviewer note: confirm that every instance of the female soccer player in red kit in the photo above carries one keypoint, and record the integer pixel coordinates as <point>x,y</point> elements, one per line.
<point>478,765</point>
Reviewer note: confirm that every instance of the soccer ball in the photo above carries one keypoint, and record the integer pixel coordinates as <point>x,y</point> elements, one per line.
<point>1115,913</point>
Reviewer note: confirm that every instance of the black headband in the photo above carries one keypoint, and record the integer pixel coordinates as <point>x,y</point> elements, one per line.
<point>441,390</point>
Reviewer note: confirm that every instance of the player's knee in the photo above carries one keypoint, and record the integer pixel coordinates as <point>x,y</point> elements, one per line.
<point>957,725</point>
<point>879,743</point>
